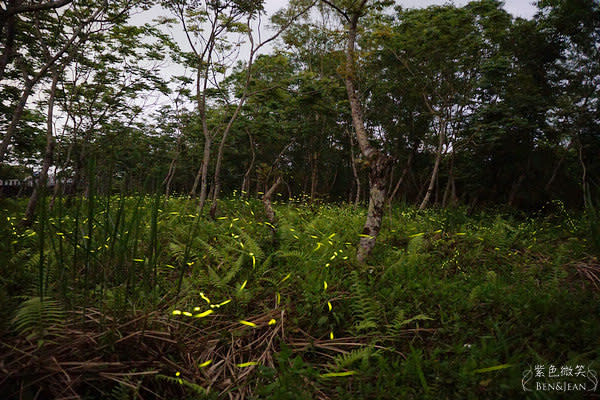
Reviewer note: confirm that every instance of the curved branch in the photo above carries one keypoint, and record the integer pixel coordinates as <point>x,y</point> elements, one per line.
<point>34,7</point>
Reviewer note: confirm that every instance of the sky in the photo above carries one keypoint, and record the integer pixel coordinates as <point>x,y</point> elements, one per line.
<point>518,8</point>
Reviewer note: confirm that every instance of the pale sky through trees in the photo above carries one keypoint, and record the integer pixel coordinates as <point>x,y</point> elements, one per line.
<point>518,8</point>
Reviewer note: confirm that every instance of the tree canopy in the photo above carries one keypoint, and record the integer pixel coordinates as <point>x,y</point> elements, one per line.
<point>470,104</point>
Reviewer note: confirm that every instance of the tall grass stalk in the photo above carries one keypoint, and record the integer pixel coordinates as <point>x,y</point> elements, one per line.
<point>90,229</point>
<point>42,239</point>
<point>153,256</point>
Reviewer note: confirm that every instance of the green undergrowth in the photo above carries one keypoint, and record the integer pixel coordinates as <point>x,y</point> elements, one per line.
<point>449,306</point>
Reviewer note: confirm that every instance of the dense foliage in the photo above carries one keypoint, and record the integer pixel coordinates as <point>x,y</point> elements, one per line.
<point>359,201</point>
<point>509,106</point>
<point>142,295</point>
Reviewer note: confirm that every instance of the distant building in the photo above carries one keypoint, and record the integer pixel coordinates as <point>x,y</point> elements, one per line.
<point>30,181</point>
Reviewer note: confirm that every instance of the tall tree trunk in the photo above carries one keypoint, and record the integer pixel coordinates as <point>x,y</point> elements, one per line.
<point>289,190</point>
<point>11,31</point>
<point>331,185</point>
<point>584,184</point>
<point>515,189</point>
<point>390,180</point>
<point>169,178</point>
<point>517,185</point>
<point>217,177</point>
<point>59,187</point>
<point>447,190</point>
<point>211,191</point>
<point>354,171</point>
<point>314,175</point>
<point>267,202</point>
<point>257,187</point>
<point>205,161</point>
<point>378,162</point>
<point>48,154</point>
<point>401,179</point>
<point>449,184</point>
<point>56,190</point>
<point>304,183</point>
<point>557,167</point>
<point>16,118</point>
<point>77,175</point>
<point>415,185</point>
<point>205,155</point>
<point>246,181</point>
<point>422,189</point>
<point>450,191</point>
<point>436,200</point>
<point>436,166</point>
<point>196,182</point>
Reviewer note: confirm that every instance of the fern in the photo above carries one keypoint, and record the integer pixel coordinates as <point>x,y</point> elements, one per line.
<point>36,318</point>
<point>33,262</point>
<point>214,252</point>
<point>266,265</point>
<point>214,279</point>
<point>292,254</point>
<point>364,308</point>
<point>251,245</point>
<point>400,322</point>
<point>121,392</point>
<point>176,250</point>
<point>232,272</point>
<point>24,257</point>
<point>346,360</point>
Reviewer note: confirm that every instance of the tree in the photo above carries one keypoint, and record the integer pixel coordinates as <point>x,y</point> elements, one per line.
<point>72,35</point>
<point>573,26</point>
<point>11,25</point>
<point>97,84</point>
<point>378,161</point>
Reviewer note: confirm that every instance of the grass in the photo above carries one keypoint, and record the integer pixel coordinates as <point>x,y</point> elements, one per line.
<point>141,297</point>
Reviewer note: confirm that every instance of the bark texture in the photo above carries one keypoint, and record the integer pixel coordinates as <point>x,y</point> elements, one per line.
<point>354,172</point>
<point>267,203</point>
<point>378,162</point>
<point>377,195</point>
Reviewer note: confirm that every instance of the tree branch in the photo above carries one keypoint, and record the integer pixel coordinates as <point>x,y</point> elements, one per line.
<point>34,7</point>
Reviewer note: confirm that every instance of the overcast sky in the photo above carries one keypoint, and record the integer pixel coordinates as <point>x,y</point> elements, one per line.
<point>518,8</point>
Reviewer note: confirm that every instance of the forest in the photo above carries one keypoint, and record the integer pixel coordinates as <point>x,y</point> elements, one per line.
<point>339,199</point>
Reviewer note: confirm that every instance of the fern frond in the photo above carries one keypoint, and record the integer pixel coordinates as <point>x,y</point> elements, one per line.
<point>214,279</point>
<point>233,270</point>
<point>400,321</point>
<point>35,318</point>
<point>176,250</point>
<point>346,360</point>
<point>251,245</point>
<point>364,308</point>
<point>214,252</point>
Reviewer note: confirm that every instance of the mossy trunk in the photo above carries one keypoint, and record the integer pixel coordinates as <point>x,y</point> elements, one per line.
<point>378,177</point>
<point>378,162</point>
